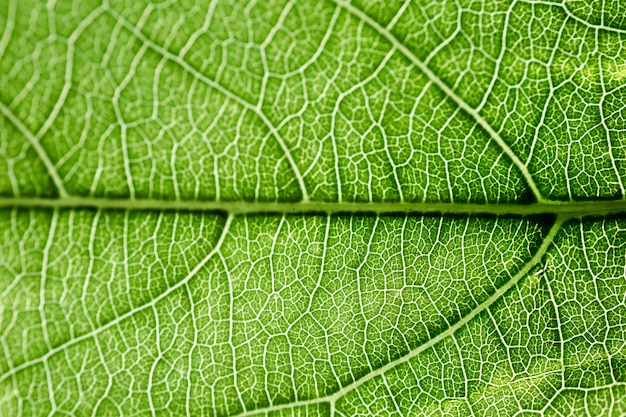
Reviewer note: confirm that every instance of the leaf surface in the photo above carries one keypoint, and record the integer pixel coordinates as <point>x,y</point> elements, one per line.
<point>313,208</point>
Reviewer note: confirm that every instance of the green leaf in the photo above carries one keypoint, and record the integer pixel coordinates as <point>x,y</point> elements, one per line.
<point>313,208</point>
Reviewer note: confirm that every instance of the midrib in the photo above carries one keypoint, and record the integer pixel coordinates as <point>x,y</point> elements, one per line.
<point>564,209</point>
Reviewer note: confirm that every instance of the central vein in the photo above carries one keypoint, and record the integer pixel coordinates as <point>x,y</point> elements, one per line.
<point>563,209</point>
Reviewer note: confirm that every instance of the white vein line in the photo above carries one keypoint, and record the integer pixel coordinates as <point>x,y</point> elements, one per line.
<point>263,49</point>
<point>336,112</point>
<point>41,152</point>
<point>190,367</point>
<point>396,406</point>
<point>467,318</point>
<point>449,92</point>
<point>551,94</point>
<point>559,322</point>
<point>606,129</point>
<point>115,101</point>
<point>120,319</point>
<point>67,84</point>
<point>500,58</point>
<point>392,23</point>
<point>595,277</point>
<point>69,64</point>
<point>569,209</point>
<point>582,21</point>
<point>45,264</point>
<point>332,399</point>
<point>226,92</point>
<point>563,6</point>
<point>9,26</point>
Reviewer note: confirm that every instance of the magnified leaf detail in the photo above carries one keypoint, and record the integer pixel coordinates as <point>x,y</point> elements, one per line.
<point>333,208</point>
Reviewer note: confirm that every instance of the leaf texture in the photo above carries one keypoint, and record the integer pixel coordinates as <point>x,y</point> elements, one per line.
<point>332,208</point>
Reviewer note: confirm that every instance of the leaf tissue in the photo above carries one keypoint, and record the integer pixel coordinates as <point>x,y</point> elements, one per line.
<point>313,208</point>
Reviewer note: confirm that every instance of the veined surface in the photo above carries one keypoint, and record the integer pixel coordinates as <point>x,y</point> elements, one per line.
<point>313,208</point>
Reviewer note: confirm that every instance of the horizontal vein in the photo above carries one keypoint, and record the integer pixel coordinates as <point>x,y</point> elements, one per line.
<point>448,91</point>
<point>332,398</point>
<point>564,209</point>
